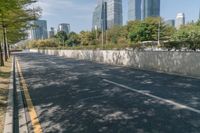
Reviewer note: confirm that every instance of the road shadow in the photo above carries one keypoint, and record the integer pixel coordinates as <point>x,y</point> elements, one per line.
<point>70,96</point>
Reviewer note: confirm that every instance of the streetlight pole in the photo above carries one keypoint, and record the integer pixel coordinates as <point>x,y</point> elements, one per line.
<point>159,32</point>
<point>102,33</point>
<point>96,28</point>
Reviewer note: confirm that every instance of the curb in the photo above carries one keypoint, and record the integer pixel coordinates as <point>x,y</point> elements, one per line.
<point>23,128</point>
<point>8,125</point>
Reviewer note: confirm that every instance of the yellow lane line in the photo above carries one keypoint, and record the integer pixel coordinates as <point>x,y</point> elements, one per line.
<point>31,110</point>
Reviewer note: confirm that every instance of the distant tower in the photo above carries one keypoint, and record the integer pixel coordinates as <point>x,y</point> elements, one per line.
<point>180,20</point>
<point>64,27</point>
<point>114,13</point>
<point>134,10</point>
<point>51,32</point>
<point>199,13</point>
<point>150,8</point>
<point>170,22</point>
<point>100,16</point>
<point>38,30</point>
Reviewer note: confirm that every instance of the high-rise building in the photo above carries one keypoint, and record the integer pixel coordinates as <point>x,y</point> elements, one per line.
<point>64,27</point>
<point>51,32</point>
<point>134,9</point>
<point>114,13</point>
<point>170,22</point>
<point>180,20</point>
<point>150,8</point>
<point>199,14</point>
<point>100,16</point>
<point>38,30</point>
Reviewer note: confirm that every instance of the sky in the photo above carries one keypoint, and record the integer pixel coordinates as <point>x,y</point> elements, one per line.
<point>78,13</point>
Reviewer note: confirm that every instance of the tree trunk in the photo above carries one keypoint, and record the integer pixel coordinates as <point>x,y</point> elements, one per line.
<point>5,45</point>
<point>1,56</point>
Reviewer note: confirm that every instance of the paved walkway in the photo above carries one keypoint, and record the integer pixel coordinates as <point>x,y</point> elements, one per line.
<point>76,96</point>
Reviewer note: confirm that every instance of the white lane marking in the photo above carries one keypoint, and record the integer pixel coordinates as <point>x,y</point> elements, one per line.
<point>180,106</point>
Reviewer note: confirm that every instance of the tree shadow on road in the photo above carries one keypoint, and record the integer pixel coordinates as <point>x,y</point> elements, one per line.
<point>70,96</point>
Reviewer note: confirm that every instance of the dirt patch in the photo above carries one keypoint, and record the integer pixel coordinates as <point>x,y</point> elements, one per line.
<point>4,84</point>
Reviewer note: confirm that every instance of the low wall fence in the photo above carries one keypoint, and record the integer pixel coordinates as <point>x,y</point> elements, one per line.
<point>183,63</point>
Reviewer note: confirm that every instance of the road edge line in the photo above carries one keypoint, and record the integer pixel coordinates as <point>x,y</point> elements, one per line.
<point>23,127</point>
<point>31,110</point>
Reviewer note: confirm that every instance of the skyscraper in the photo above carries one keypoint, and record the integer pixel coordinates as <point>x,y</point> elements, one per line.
<point>170,22</point>
<point>134,10</point>
<point>51,32</point>
<point>114,13</point>
<point>180,20</point>
<point>100,16</point>
<point>64,27</point>
<point>38,30</point>
<point>150,8</point>
<point>199,14</point>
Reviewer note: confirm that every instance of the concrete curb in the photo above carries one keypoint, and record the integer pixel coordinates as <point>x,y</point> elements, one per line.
<point>23,128</point>
<point>8,125</point>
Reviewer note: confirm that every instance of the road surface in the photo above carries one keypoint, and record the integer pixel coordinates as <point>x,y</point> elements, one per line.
<point>76,96</point>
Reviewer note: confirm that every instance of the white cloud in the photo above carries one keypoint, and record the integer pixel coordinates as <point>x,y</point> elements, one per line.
<point>63,6</point>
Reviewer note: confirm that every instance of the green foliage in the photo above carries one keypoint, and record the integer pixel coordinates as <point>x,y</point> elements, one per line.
<point>147,30</point>
<point>188,36</point>
<point>117,34</point>
<point>62,37</point>
<point>42,43</point>
<point>87,38</point>
<point>173,45</point>
<point>15,16</point>
<point>73,39</point>
<point>133,35</point>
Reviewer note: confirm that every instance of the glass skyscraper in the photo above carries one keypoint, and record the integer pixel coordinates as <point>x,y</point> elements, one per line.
<point>180,20</point>
<point>134,10</point>
<point>64,27</point>
<point>38,30</point>
<point>51,32</point>
<point>114,13</point>
<point>150,8</point>
<point>170,22</point>
<point>100,16</point>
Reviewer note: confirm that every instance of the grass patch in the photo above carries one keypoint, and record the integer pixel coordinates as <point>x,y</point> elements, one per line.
<point>4,84</point>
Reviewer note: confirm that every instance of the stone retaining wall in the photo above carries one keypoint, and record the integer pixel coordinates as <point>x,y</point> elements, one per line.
<point>184,63</point>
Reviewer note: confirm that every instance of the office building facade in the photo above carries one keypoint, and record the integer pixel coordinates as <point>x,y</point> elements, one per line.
<point>38,30</point>
<point>51,32</point>
<point>170,22</point>
<point>134,9</point>
<point>100,16</point>
<point>150,8</point>
<point>114,13</point>
<point>180,20</point>
<point>64,27</point>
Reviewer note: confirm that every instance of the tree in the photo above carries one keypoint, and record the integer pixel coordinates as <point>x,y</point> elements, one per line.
<point>87,38</point>
<point>73,39</point>
<point>14,16</point>
<point>62,37</point>
<point>187,36</point>
<point>117,34</point>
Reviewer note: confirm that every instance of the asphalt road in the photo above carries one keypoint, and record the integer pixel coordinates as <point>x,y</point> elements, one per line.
<point>76,96</point>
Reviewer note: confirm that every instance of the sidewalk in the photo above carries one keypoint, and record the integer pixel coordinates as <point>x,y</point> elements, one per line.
<point>4,85</point>
<point>15,117</point>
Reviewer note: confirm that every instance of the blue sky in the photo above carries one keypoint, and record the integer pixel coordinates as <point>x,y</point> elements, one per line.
<point>79,12</point>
